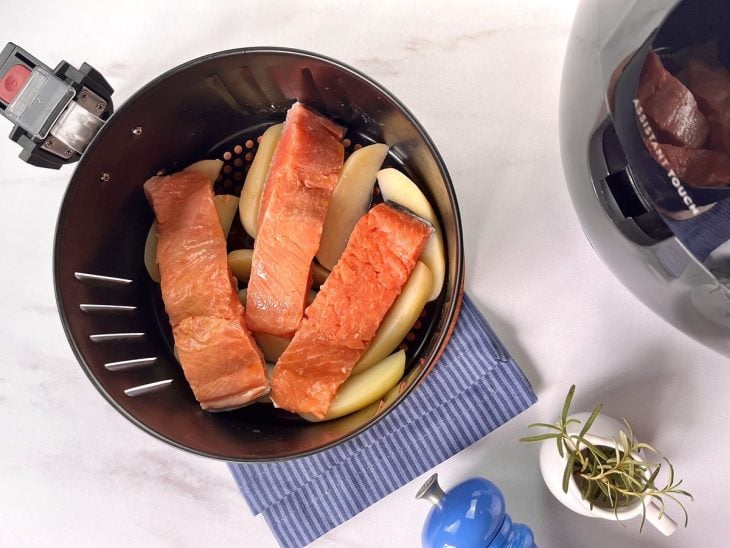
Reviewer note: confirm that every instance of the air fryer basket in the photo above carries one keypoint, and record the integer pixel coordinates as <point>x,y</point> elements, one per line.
<point>216,106</point>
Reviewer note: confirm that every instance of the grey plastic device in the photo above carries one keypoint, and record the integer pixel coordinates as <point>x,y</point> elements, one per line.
<point>55,113</point>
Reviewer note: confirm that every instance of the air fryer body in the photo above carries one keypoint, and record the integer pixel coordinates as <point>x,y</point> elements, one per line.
<point>632,238</point>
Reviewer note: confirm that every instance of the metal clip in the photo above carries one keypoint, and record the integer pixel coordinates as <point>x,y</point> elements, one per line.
<point>76,126</point>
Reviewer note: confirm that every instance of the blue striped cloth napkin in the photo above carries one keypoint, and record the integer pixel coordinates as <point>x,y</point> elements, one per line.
<point>474,388</point>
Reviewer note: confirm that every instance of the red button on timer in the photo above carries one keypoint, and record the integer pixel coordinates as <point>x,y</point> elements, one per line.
<point>13,82</point>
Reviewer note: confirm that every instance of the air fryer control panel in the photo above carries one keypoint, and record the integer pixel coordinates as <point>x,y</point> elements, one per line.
<point>55,113</point>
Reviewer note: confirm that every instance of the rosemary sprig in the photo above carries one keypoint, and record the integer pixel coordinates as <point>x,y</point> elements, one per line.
<point>610,477</point>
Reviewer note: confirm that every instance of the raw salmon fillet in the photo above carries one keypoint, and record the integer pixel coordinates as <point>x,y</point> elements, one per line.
<point>339,325</point>
<point>220,360</point>
<point>303,174</point>
<point>673,111</point>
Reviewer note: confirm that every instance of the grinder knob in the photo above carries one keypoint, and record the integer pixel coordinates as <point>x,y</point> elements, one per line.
<point>472,514</point>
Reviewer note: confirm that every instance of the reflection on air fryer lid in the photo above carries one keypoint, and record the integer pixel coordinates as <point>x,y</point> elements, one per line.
<point>687,125</point>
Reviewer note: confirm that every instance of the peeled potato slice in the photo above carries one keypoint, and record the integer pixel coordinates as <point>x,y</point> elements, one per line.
<point>226,205</point>
<point>366,388</point>
<point>150,253</point>
<point>397,188</point>
<point>350,201</point>
<point>269,372</point>
<point>209,168</point>
<point>311,294</point>
<point>271,345</point>
<point>392,394</point>
<point>319,274</point>
<point>390,397</point>
<point>253,186</point>
<point>399,319</point>
<point>240,263</point>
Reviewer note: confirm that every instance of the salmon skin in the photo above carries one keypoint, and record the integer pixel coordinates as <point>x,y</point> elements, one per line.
<point>303,174</point>
<point>219,357</point>
<point>341,322</point>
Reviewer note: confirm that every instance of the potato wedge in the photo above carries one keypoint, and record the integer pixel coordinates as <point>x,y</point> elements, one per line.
<point>319,274</point>
<point>366,388</point>
<point>397,188</point>
<point>253,186</point>
<point>392,394</point>
<point>150,253</point>
<point>399,319</point>
<point>226,205</point>
<point>350,201</point>
<point>209,168</point>
<point>240,263</point>
<point>267,398</point>
<point>271,345</point>
<point>350,422</point>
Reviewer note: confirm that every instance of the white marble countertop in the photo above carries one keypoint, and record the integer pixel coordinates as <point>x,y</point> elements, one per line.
<point>483,78</point>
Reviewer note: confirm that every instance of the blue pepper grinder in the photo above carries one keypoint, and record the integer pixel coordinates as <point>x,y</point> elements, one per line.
<point>471,515</point>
